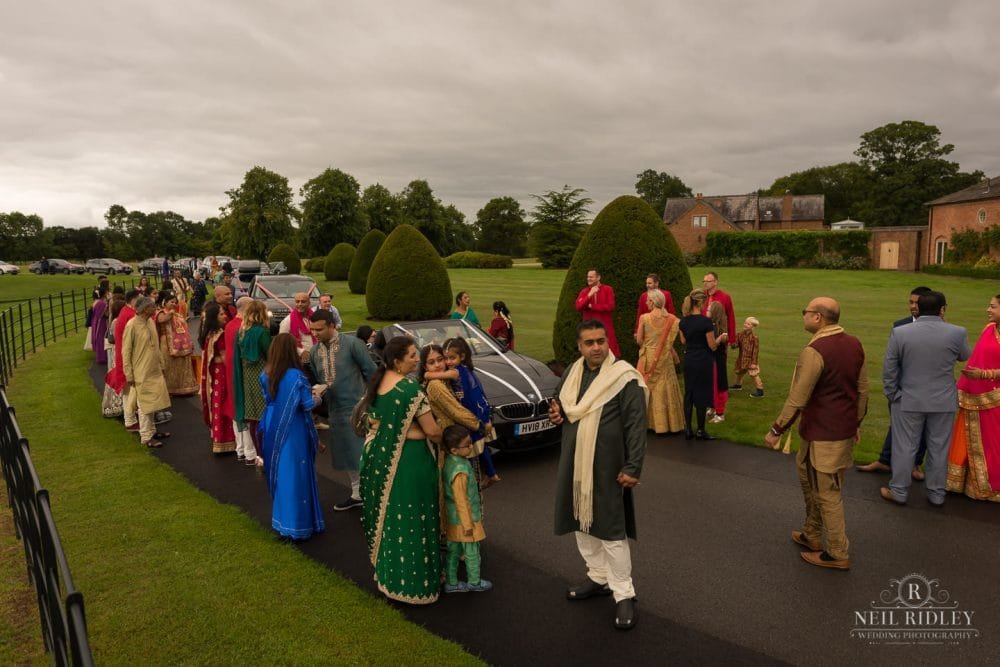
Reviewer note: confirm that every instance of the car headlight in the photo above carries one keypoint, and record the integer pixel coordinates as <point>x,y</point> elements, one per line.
<point>270,314</point>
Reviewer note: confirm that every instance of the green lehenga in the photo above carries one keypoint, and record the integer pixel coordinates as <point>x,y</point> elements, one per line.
<point>399,487</point>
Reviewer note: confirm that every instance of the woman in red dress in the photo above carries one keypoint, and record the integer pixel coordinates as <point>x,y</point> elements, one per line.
<point>213,380</point>
<point>502,327</point>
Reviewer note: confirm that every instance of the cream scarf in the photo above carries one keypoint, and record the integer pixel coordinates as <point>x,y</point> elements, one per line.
<point>611,379</point>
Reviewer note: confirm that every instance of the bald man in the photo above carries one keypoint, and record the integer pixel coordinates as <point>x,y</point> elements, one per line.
<point>830,391</point>
<point>297,324</point>
<point>224,297</point>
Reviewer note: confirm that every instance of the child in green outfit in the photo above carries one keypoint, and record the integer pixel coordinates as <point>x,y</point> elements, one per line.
<point>464,513</point>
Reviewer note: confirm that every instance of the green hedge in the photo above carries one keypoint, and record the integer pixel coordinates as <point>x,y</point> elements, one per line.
<point>338,262</point>
<point>468,259</point>
<point>793,248</point>
<point>357,277</point>
<point>286,253</point>
<point>408,279</point>
<point>315,264</point>
<point>992,273</point>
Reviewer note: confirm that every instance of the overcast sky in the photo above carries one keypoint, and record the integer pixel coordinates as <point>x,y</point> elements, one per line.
<point>166,105</point>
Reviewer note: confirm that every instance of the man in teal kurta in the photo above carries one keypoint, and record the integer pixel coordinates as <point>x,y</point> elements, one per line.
<point>343,364</point>
<point>602,407</point>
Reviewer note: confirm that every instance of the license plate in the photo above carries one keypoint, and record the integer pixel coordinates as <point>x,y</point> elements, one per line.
<point>525,428</point>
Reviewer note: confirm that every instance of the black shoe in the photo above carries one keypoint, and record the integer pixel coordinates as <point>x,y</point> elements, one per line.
<point>688,434</point>
<point>735,387</point>
<point>587,590</point>
<point>704,435</point>
<point>349,504</point>
<point>626,614</point>
<point>757,394</point>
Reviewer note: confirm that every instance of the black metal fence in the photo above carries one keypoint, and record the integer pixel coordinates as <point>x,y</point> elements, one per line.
<point>60,605</point>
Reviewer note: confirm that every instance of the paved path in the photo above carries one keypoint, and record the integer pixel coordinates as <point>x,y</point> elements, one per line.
<point>718,578</point>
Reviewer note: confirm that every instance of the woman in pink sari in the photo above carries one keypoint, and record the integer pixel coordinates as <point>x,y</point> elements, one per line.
<point>974,458</point>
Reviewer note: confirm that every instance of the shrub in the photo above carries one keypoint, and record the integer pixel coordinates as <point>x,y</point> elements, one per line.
<point>985,262</point>
<point>468,259</point>
<point>829,262</point>
<point>693,259</point>
<point>964,271</point>
<point>858,263</point>
<point>338,262</point>
<point>408,280</point>
<point>357,276</point>
<point>771,261</point>
<point>286,253</point>
<point>315,264</point>
<point>626,241</point>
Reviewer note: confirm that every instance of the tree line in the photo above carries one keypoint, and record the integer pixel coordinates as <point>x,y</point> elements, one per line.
<point>900,167</point>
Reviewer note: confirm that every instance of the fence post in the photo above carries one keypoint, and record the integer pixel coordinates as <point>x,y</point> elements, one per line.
<point>31,321</point>
<point>52,318</point>
<point>72,293</point>
<point>62,309</point>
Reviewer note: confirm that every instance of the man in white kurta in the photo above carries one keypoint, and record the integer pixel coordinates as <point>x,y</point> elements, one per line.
<point>143,368</point>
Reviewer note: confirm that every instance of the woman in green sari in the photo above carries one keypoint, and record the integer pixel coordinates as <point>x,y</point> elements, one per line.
<point>249,359</point>
<point>399,481</point>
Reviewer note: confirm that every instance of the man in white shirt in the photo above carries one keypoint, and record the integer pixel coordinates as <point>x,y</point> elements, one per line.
<point>326,303</point>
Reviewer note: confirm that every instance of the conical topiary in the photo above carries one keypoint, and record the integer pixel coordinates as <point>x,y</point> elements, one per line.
<point>626,242</point>
<point>338,262</point>
<point>286,253</point>
<point>408,280</point>
<point>357,277</point>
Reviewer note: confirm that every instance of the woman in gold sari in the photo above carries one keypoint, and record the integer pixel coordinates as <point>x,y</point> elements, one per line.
<point>656,334</point>
<point>175,347</point>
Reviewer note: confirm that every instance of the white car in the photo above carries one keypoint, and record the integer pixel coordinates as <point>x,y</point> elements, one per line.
<point>7,267</point>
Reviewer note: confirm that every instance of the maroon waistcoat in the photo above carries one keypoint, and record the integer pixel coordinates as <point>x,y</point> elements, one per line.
<point>832,411</point>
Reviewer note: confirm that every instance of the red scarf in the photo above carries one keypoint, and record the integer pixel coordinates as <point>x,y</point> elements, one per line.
<point>299,327</point>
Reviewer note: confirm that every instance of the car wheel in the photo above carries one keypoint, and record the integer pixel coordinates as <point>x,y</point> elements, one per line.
<point>111,272</point>
<point>1,272</point>
<point>66,271</point>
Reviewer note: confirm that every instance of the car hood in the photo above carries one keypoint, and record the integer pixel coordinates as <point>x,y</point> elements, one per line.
<point>514,378</point>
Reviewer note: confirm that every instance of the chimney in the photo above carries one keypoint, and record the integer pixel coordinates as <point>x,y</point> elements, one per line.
<point>697,196</point>
<point>786,208</point>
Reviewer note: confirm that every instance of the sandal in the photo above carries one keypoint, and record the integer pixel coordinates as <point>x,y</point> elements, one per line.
<point>162,435</point>
<point>153,444</point>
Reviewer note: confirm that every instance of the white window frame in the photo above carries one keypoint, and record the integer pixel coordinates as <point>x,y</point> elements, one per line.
<point>940,246</point>
<point>699,221</point>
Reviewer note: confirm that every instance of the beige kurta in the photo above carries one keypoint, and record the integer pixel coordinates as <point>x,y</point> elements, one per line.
<point>143,365</point>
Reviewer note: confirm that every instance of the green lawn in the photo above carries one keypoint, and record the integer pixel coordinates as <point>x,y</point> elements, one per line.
<point>155,557</point>
<point>170,575</point>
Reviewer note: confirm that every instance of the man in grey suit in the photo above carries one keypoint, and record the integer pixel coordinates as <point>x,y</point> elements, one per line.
<point>919,380</point>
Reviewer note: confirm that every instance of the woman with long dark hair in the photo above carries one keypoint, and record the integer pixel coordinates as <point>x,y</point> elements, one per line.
<point>399,480</point>
<point>463,311</point>
<point>175,347</point>
<point>213,379</point>
<point>99,323</point>
<point>502,326</point>
<point>697,332</point>
<point>289,442</point>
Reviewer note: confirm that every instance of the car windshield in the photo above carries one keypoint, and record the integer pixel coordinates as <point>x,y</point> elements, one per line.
<point>482,344</point>
<point>284,288</point>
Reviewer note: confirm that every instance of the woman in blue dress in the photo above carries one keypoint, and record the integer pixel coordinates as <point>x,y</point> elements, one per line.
<point>289,442</point>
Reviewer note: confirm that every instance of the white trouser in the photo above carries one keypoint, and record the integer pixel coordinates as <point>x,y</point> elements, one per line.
<point>608,562</point>
<point>355,484</point>
<point>146,427</point>
<point>130,405</point>
<point>244,443</point>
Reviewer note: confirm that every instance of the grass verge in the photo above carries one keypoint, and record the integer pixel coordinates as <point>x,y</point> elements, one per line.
<point>169,574</point>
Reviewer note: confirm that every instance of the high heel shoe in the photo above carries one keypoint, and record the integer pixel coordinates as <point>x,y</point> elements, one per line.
<point>704,435</point>
<point>688,434</point>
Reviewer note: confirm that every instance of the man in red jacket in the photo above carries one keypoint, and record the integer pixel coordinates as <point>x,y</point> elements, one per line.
<point>652,283</point>
<point>597,302</point>
<point>830,392</point>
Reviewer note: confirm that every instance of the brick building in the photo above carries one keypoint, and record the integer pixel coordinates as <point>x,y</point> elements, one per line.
<point>690,219</point>
<point>974,208</point>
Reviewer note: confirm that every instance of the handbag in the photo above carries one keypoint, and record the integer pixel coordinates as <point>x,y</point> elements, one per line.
<point>361,419</point>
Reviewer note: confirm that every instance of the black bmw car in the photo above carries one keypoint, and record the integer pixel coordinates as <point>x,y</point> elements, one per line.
<point>517,387</point>
<point>278,293</point>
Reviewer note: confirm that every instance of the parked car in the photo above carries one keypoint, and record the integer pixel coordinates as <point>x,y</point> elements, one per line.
<point>7,267</point>
<point>518,387</point>
<point>151,267</point>
<point>183,265</point>
<point>107,265</point>
<point>278,293</point>
<point>58,266</point>
<point>206,263</point>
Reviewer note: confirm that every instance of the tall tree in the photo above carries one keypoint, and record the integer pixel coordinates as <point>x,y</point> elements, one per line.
<point>656,187</point>
<point>331,212</point>
<point>381,207</point>
<point>422,210</point>
<point>845,186</point>
<point>458,235</point>
<point>909,168</point>
<point>557,225</point>
<point>259,214</point>
<point>501,228</point>
<point>21,235</point>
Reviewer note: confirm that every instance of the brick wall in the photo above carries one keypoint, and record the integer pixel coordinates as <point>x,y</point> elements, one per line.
<point>910,246</point>
<point>946,219</point>
<point>692,239</point>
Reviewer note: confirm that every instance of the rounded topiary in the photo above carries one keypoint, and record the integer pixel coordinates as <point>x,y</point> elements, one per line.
<point>468,259</point>
<point>286,253</point>
<point>315,264</point>
<point>626,241</point>
<point>357,277</point>
<point>408,280</point>
<point>338,262</point>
